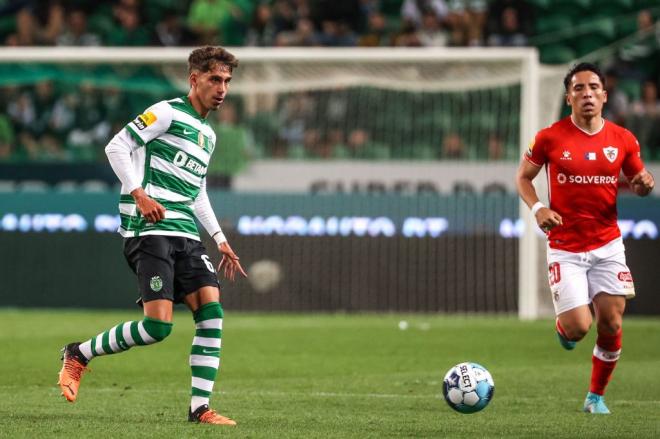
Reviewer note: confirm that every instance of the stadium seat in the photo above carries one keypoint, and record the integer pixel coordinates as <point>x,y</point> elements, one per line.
<point>631,87</point>
<point>587,44</point>
<point>603,26</point>
<point>644,4</point>
<point>553,23</point>
<point>7,25</point>
<point>391,8</point>
<point>626,25</point>
<point>572,9</point>
<point>540,4</point>
<point>557,54</point>
<point>614,8</point>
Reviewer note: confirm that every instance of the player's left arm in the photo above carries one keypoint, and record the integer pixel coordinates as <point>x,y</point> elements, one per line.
<point>641,181</point>
<point>230,262</point>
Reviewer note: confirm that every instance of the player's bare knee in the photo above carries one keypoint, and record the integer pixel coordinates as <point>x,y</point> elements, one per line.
<point>609,327</point>
<point>577,332</point>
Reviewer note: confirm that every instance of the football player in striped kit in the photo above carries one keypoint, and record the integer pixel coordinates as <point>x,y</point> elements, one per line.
<point>161,159</point>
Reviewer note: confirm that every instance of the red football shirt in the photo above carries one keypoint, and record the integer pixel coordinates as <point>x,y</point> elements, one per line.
<point>583,171</point>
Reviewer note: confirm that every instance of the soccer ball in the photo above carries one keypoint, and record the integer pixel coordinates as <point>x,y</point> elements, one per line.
<point>468,387</point>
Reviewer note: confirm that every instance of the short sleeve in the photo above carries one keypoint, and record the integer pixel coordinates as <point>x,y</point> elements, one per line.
<point>632,163</point>
<point>152,123</point>
<point>535,153</point>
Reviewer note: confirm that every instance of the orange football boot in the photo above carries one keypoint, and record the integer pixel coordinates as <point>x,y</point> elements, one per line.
<point>74,365</point>
<point>204,415</point>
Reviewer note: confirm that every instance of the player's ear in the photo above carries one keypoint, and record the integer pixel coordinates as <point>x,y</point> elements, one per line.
<point>192,79</point>
<point>604,95</point>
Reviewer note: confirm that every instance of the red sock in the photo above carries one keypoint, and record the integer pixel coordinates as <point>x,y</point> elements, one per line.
<point>560,329</point>
<point>604,359</point>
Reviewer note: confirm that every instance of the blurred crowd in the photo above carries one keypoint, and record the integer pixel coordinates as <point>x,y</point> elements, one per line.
<point>47,122</point>
<point>365,23</point>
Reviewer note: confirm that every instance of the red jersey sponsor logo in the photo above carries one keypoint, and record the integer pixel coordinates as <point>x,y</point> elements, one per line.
<point>586,179</point>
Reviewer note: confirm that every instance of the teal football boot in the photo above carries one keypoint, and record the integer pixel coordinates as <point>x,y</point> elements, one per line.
<point>595,404</point>
<point>563,341</point>
<point>566,344</point>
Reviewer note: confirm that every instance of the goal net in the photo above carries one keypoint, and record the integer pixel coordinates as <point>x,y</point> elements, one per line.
<point>468,111</point>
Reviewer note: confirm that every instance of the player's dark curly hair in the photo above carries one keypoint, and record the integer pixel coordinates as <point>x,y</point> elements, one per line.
<point>583,67</point>
<point>205,58</point>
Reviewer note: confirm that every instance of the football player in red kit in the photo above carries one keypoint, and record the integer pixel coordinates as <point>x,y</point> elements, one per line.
<point>584,155</point>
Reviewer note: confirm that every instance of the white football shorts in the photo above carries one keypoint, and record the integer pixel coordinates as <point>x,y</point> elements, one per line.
<point>576,278</point>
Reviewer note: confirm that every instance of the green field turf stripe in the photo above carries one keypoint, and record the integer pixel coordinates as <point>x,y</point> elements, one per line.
<point>208,373</point>
<point>105,342</point>
<point>136,334</point>
<point>210,333</point>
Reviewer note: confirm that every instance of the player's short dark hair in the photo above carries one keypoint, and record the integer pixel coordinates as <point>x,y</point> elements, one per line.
<point>206,58</point>
<point>583,67</point>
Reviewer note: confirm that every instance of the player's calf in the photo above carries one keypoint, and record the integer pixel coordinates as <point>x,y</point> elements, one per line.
<point>76,356</point>
<point>126,335</point>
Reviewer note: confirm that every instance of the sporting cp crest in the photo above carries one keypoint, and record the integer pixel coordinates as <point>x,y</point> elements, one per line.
<point>611,153</point>
<point>156,283</point>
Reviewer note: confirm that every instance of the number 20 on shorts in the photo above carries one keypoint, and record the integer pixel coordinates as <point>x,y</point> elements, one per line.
<point>554,273</point>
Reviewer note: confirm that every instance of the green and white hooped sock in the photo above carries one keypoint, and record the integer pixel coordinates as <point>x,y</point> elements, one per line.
<point>126,335</point>
<point>205,352</point>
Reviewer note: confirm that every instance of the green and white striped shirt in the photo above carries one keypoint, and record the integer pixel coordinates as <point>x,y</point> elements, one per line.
<point>172,146</point>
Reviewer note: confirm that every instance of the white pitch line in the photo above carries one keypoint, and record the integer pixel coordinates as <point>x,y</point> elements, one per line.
<point>334,395</point>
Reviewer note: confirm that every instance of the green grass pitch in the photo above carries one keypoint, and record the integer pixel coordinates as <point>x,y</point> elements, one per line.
<point>320,375</point>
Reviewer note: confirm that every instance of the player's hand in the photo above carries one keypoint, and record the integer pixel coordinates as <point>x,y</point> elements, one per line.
<point>230,263</point>
<point>547,218</point>
<point>642,183</point>
<point>151,209</point>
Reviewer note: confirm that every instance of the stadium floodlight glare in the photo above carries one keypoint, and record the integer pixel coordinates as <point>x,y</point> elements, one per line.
<point>473,91</point>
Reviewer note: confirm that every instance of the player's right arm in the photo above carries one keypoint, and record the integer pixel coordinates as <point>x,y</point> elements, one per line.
<point>546,218</point>
<point>134,135</point>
